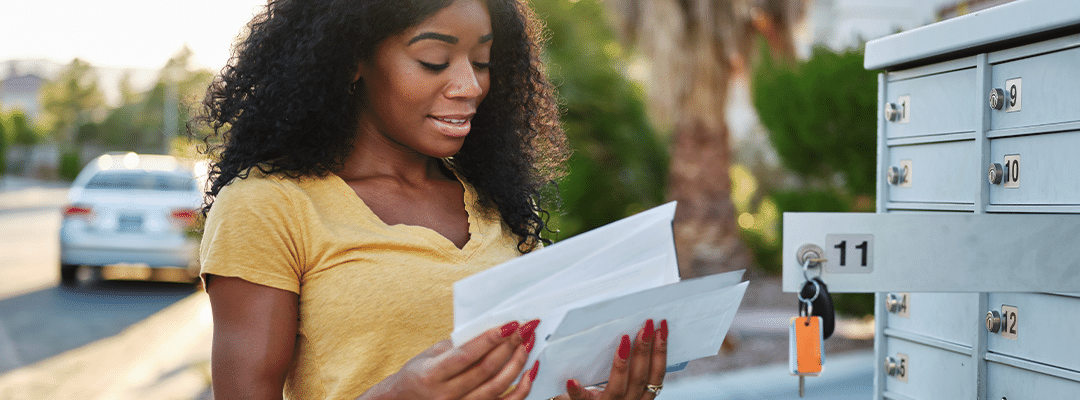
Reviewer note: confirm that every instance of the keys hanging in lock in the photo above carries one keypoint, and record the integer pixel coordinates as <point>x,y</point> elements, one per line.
<point>805,355</point>
<point>820,304</point>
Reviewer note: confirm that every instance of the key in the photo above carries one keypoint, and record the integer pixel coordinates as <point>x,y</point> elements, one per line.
<point>822,304</point>
<point>805,356</point>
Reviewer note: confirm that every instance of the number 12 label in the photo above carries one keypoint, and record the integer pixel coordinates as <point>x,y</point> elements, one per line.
<point>849,254</point>
<point>1009,317</point>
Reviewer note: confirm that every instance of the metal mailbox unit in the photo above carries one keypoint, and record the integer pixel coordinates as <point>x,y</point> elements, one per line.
<point>974,252</point>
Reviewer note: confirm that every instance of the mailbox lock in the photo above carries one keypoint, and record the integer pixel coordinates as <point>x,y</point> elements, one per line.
<point>810,255</point>
<point>899,175</point>
<point>891,366</point>
<point>997,98</point>
<point>894,175</point>
<point>892,112</point>
<point>892,303</point>
<point>995,173</point>
<point>993,321</point>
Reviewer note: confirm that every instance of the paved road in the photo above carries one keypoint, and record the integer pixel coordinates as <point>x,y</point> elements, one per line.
<point>39,319</point>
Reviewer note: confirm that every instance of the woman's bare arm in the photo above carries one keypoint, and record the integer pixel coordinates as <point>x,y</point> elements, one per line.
<point>254,336</point>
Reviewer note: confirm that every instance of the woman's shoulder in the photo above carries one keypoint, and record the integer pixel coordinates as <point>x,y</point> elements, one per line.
<point>256,188</point>
<point>256,184</point>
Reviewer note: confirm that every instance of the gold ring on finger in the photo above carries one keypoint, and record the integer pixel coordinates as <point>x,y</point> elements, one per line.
<point>654,389</point>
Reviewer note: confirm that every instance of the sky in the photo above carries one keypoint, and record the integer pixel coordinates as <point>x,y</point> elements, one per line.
<point>122,33</point>
<point>146,33</point>
<point>119,35</point>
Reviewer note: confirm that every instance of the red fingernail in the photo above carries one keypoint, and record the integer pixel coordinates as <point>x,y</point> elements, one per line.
<point>509,329</point>
<point>624,347</point>
<point>536,367</point>
<point>529,343</point>
<point>663,330</point>
<point>572,386</point>
<point>648,334</point>
<point>528,329</point>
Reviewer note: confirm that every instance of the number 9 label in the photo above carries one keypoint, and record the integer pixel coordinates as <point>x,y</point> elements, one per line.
<point>849,254</point>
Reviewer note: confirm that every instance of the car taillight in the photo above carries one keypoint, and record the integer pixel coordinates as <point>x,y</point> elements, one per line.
<point>78,212</point>
<point>184,217</point>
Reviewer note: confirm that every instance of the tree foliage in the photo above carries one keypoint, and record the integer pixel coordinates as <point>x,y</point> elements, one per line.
<point>619,162</point>
<point>149,121</point>
<point>821,116</point>
<point>21,131</point>
<point>71,99</point>
<point>3,148</point>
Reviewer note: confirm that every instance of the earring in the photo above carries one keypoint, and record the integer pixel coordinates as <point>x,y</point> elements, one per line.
<point>354,87</point>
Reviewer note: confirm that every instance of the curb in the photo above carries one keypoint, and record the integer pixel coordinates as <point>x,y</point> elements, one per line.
<point>166,356</point>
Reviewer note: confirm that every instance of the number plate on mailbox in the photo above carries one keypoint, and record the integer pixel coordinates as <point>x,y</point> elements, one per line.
<point>849,254</point>
<point>1009,318</point>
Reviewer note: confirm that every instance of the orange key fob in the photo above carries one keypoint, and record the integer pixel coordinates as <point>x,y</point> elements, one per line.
<point>805,356</point>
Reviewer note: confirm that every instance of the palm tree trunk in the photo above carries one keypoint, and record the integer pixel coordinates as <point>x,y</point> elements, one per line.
<point>706,235</point>
<point>694,49</point>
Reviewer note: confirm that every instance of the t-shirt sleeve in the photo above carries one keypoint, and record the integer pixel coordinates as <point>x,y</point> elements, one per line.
<point>252,232</point>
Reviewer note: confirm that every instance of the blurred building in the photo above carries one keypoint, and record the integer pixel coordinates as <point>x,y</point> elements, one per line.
<point>966,7</point>
<point>19,90</point>
<point>840,24</point>
<point>108,79</point>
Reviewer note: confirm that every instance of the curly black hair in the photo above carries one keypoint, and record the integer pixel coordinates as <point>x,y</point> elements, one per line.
<point>283,102</point>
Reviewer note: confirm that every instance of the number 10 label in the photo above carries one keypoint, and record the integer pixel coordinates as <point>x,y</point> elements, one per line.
<point>849,254</point>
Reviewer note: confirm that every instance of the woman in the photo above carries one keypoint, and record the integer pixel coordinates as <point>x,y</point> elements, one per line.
<point>372,153</point>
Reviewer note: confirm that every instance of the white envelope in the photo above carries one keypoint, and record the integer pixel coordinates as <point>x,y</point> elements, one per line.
<point>591,289</point>
<point>607,249</point>
<point>584,318</point>
<point>561,299</point>
<point>697,326</point>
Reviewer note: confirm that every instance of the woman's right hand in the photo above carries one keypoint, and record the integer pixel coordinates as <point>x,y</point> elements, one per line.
<point>483,368</point>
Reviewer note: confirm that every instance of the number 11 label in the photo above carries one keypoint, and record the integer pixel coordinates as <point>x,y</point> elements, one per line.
<point>849,254</point>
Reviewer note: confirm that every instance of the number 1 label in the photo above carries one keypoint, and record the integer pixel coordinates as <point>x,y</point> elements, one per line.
<point>849,254</point>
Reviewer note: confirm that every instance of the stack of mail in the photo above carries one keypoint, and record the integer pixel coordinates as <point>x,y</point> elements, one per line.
<point>593,288</point>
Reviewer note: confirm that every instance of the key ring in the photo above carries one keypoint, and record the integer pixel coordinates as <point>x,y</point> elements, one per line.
<point>817,292</point>
<point>810,302</point>
<point>806,268</point>
<point>809,311</point>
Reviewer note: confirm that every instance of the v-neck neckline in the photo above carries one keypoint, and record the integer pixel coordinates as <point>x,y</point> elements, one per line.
<point>435,238</point>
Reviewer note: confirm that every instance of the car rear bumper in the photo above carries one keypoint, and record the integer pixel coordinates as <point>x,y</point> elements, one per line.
<point>183,256</point>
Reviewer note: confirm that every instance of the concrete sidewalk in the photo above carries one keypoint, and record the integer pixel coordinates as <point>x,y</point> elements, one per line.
<point>21,193</point>
<point>846,377</point>
<point>166,356</point>
<point>762,333</point>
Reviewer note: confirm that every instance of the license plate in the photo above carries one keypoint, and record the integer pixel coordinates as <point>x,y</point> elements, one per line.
<point>129,223</point>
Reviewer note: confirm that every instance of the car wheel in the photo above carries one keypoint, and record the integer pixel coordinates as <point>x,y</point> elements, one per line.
<point>67,274</point>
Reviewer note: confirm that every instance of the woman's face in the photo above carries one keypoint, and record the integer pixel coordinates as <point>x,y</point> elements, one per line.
<point>424,85</point>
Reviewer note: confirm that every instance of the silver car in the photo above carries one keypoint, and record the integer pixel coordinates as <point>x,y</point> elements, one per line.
<point>131,216</point>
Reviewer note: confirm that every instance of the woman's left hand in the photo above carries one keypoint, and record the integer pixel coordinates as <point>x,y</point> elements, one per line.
<point>637,372</point>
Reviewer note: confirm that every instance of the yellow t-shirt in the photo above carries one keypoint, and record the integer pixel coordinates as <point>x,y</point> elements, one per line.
<point>372,296</point>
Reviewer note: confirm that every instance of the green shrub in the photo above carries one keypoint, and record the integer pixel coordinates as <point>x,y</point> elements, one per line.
<point>3,149</point>
<point>70,166</point>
